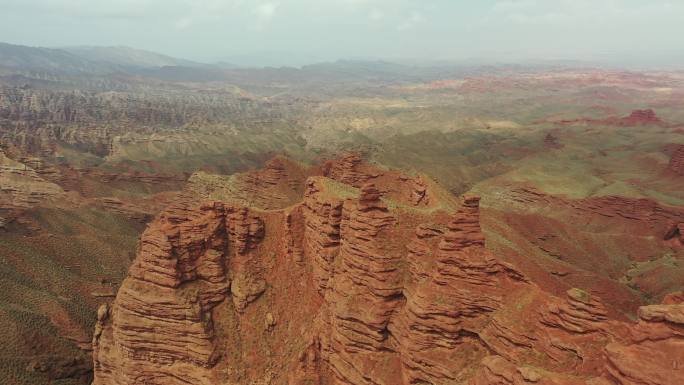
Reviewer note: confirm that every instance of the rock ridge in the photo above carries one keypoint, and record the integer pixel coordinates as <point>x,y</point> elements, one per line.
<point>386,290</point>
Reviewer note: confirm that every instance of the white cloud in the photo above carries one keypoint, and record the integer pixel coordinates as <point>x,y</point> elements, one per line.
<point>376,15</point>
<point>265,12</point>
<point>581,12</point>
<point>413,20</point>
<point>183,23</point>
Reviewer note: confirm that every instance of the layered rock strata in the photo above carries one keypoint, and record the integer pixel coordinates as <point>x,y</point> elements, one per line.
<point>22,187</point>
<point>159,329</point>
<point>654,352</point>
<point>360,284</point>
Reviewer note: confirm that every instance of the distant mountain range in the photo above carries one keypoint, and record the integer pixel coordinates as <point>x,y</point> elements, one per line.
<point>92,67</point>
<point>83,62</point>
<point>128,57</point>
<point>85,59</point>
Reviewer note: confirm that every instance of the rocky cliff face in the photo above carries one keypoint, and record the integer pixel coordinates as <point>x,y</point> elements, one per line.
<point>359,283</point>
<point>161,321</point>
<point>453,289</point>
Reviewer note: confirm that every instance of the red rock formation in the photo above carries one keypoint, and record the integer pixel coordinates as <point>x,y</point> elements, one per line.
<point>419,193</point>
<point>639,217</point>
<point>644,210</point>
<point>636,118</point>
<point>348,169</point>
<point>160,328</point>
<point>22,187</point>
<point>278,185</point>
<point>352,170</point>
<point>496,370</point>
<point>449,299</point>
<point>552,333</point>
<point>323,217</point>
<point>567,230</point>
<point>654,354</point>
<point>641,117</point>
<point>677,161</point>
<point>649,352</point>
<point>364,290</point>
<point>309,367</point>
<point>673,298</point>
<point>386,293</point>
<point>278,172</point>
<point>294,234</point>
<point>551,141</point>
<point>675,235</point>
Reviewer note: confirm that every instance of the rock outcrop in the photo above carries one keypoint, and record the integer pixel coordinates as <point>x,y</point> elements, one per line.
<point>641,117</point>
<point>645,117</point>
<point>551,141</point>
<point>348,169</point>
<point>419,192</point>
<point>160,328</point>
<point>675,235</point>
<point>643,212</point>
<point>279,184</point>
<point>677,161</point>
<point>654,353</point>
<point>22,187</point>
<point>322,218</point>
<point>364,289</point>
<point>361,284</point>
<point>454,287</point>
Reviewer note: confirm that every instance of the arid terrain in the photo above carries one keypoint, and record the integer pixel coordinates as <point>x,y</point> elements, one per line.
<point>355,223</point>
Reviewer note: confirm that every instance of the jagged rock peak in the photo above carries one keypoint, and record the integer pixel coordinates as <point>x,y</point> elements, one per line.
<point>347,169</point>
<point>464,230</point>
<point>643,116</point>
<point>472,202</point>
<point>370,193</point>
<point>370,198</point>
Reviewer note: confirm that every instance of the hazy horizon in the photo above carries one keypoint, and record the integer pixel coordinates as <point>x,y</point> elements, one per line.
<point>295,32</point>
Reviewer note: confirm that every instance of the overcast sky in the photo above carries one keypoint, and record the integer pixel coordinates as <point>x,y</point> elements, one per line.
<point>211,30</point>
